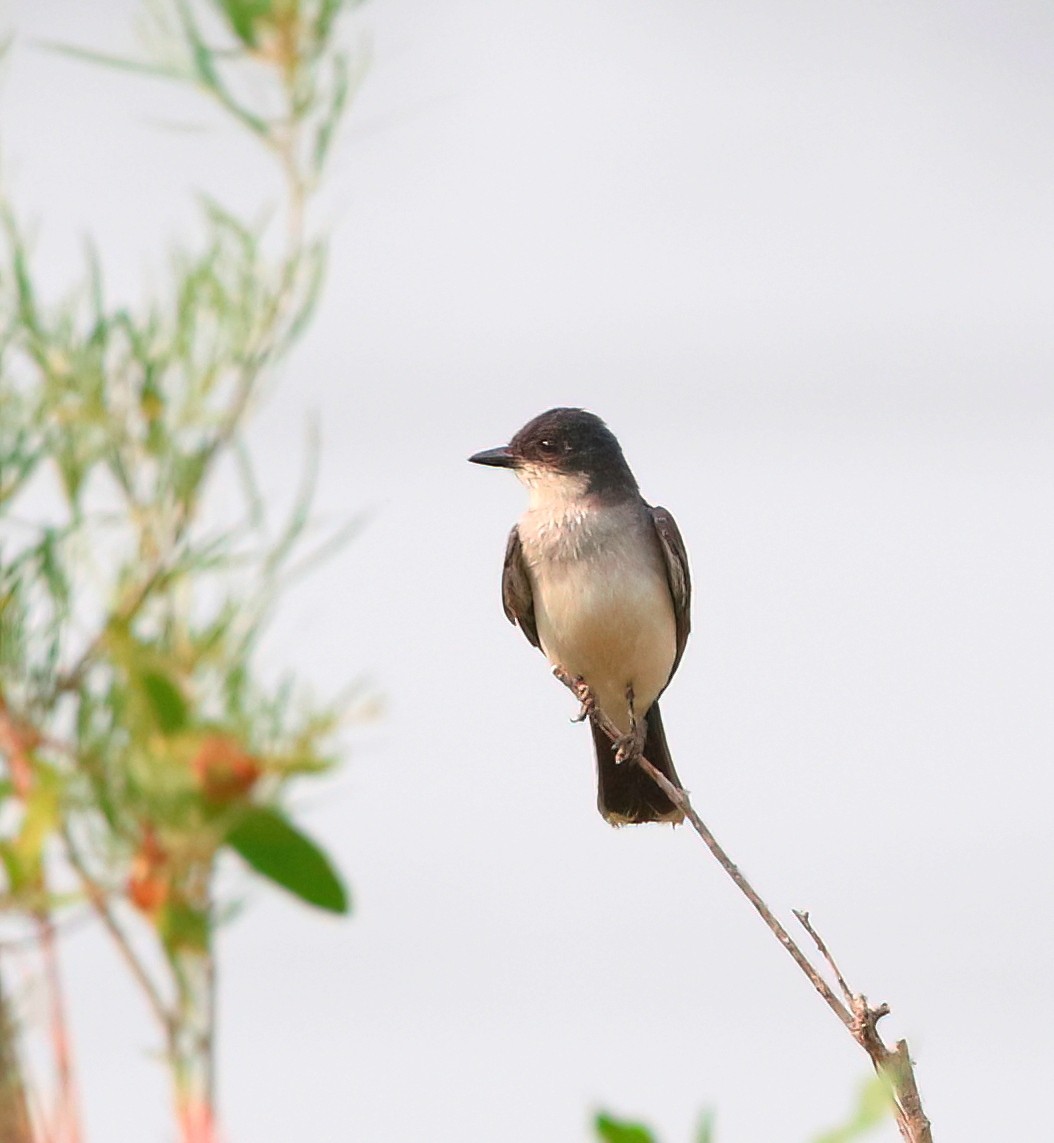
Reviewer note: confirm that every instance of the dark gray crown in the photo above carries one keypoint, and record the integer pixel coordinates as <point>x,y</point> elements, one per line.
<point>575,441</point>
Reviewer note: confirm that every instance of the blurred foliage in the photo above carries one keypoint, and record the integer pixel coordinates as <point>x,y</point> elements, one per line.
<point>138,742</point>
<point>872,1107</point>
<point>615,1131</point>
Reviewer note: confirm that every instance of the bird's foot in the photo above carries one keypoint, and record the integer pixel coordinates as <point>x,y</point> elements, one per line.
<point>630,747</point>
<point>580,689</point>
<point>585,696</point>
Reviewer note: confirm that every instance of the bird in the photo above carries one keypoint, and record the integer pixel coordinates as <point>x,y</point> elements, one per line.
<point>598,580</point>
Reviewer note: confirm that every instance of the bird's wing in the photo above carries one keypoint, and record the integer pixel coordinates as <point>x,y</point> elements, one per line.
<point>517,596</point>
<point>677,575</point>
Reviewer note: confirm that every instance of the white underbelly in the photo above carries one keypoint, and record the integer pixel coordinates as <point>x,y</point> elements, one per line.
<point>610,623</point>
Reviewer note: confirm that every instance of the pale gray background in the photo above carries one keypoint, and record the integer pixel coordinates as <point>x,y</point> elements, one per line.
<point>799,255</point>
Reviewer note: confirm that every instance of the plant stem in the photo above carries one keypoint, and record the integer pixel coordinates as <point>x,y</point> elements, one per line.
<point>103,910</point>
<point>190,1047</point>
<point>67,1111</point>
<point>14,1106</point>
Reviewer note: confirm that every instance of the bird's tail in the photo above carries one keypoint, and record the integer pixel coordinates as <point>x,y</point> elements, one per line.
<point>625,793</point>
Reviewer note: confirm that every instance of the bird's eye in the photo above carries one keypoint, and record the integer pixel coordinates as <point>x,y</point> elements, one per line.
<point>548,447</point>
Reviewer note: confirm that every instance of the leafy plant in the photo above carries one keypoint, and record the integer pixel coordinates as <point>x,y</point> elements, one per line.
<point>138,743</point>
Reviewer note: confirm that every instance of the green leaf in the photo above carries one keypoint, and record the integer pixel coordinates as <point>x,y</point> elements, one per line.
<point>281,853</point>
<point>17,877</point>
<point>617,1131</point>
<point>188,472</point>
<point>242,16</point>
<point>873,1105</point>
<point>23,855</point>
<point>705,1131</point>
<point>167,704</point>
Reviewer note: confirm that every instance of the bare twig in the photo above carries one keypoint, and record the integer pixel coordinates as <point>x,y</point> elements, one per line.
<point>856,1013</point>
<point>103,910</point>
<point>62,927</point>
<point>69,680</point>
<point>17,739</point>
<point>67,1113</point>
<point>806,924</point>
<point>209,1034</point>
<point>14,1106</point>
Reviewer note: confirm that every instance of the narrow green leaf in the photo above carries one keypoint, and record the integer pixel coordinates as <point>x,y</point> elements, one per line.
<point>144,67</point>
<point>168,705</point>
<point>95,292</point>
<point>52,569</point>
<point>324,551</point>
<point>278,851</point>
<point>241,17</point>
<point>301,510</point>
<point>327,13</point>
<point>203,60</point>
<point>617,1131</point>
<point>254,502</point>
<point>27,305</point>
<point>338,100</point>
<point>705,1131</point>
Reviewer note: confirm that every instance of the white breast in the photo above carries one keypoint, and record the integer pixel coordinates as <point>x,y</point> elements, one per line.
<point>601,599</point>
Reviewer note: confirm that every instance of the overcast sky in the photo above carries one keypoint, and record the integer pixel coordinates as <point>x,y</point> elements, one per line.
<point>800,256</point>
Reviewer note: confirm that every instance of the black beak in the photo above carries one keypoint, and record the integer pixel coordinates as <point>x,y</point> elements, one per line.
<point>495,457</point>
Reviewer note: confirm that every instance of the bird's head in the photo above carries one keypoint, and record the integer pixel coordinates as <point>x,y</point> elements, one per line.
<point>567,448</point>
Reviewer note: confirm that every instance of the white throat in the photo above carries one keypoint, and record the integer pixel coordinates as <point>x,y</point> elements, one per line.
<point>563,520</point>
<point>554,493</point>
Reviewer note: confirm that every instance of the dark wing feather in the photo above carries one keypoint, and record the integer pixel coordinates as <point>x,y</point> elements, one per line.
<point>677,574</point>
<point>517,596</point>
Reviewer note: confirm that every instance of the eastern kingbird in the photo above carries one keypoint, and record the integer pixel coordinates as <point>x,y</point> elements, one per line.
<point>598,579</point>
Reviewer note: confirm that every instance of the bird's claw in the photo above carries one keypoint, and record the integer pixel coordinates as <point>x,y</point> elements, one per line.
<point>628,747</point>
<point>581,691</point>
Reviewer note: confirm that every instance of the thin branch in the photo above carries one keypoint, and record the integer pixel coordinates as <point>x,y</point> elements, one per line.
<point>859,1017</point>
<point>806,924</point>
<point>31,940</point>
<point>98,900</point>
<point>17,740</point>
<point>212,1013</point>
<point>14,1104</point>
<point>679,798</point>
<point>71,679</point>
<point>67,1113</point>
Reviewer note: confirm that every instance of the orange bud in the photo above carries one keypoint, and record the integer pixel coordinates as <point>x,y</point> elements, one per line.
<point>224,770</point>
<point>147,886</point>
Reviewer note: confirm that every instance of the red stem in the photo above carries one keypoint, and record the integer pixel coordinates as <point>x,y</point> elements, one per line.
<point>67,1103</point>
